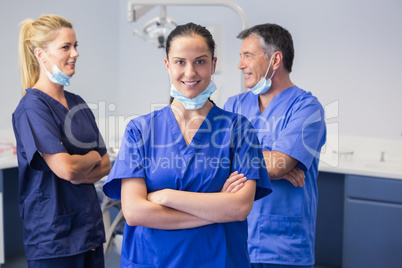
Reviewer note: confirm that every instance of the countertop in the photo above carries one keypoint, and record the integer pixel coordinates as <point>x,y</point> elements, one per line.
<point>362,156</point>
<point>365,167</point>
<point>8,162</point>
<point>8,158</point>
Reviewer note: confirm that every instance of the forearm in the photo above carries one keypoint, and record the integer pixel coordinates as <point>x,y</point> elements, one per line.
<point>278,164</point>
<point>282,166</point>
<point>135,205</point>
<point>82,165</point>
<point>214,207</point>
<point>72,167</point>
<point>160,217</point>
<point>98,172</point>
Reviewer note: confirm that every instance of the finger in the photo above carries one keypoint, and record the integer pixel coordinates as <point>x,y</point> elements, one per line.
<point>232,178</point>
<point>291,179</point>
<point>299,173</point>
<point>302,182</point>
<point>233,174</point>
<point>299,181</point>
<point>237,188</point>
<point>298,176</point>
<point>233,185</point>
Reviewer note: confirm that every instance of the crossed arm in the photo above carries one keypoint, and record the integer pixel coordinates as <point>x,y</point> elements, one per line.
<point>77,169</point>
<point>173,209</point>
<point>282,166</point>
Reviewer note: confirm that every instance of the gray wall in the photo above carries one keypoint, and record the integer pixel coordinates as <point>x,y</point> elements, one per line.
<point>347,53</point>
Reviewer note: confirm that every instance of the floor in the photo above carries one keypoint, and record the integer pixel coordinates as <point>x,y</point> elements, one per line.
<point>112,261</point>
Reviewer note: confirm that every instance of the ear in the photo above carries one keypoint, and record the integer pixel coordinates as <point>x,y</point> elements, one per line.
<point>167,64</point>
<point>214,60</point>
<point>39,55</point>
<point>277,60</point>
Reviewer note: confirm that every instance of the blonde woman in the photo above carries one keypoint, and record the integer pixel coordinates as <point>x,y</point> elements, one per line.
<point>60,152</point>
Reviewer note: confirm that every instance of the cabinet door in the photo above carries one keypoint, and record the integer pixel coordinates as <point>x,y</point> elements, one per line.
<point>372,234</point>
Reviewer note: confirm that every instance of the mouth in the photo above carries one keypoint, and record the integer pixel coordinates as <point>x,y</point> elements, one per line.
<point>192,83</point>
<point>247,75</point>
<point>71,64</point>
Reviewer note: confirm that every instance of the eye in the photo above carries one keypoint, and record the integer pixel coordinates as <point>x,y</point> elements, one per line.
<point>179,62</point>
<point>200,61</point>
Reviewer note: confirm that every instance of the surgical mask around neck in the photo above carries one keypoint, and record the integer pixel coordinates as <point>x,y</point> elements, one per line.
<point>57,76</point>
<point>264,84</point>
<point>194,103</point>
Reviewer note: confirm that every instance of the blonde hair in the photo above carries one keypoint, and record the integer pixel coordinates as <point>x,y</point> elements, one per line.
<point>36,34</point>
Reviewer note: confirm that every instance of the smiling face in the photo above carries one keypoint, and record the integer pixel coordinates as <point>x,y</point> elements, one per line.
<point>253,62</point>
<point>62,52</point>
<point>190,64</point>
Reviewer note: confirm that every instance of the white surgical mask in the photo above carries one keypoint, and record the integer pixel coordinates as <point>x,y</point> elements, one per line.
<point>194,103</point>
<point>57,76</point>
<point>264,84</point>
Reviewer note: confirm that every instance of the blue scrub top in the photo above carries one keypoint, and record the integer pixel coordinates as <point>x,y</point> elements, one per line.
<point>60,219</point>
<point>282,225</point>
<point>153,148</point>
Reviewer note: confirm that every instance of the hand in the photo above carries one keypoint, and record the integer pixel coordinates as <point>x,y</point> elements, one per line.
<point>158,197</point>
<point>234,183</point>
<point>295,176</point>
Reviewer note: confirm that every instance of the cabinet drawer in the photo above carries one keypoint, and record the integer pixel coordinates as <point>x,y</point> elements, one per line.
<point>372,236</point>
<point>373,188</point>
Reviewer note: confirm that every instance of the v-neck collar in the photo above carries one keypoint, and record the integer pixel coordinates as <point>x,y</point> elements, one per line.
<point>176,131</point>
<point>273,101</point>
<point>53,100</point>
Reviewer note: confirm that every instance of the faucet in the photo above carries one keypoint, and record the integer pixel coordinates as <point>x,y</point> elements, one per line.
<point>382,156</point>
<point>343,152</point>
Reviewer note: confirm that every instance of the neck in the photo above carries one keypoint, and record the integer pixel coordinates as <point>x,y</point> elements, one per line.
<point>189,121</point>
<point>55,91</point>
<point>182,114</point>
<point>279,84</point>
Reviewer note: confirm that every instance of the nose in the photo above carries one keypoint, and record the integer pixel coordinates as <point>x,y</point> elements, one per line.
<point>190,70</point>
<point>241,65</point>
<point>74,53</point>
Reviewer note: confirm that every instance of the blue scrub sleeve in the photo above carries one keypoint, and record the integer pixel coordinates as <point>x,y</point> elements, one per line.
<point>39,134</point>
<point>229,105</point>
<point>301,137</point>
<point>129,162</point>
<point>101,148</point>
<point>248,158</point>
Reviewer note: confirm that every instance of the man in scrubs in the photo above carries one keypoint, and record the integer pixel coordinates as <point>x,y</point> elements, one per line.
<point>291,129</point>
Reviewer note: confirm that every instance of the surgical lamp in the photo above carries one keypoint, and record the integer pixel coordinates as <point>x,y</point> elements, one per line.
<point>157,29</point>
